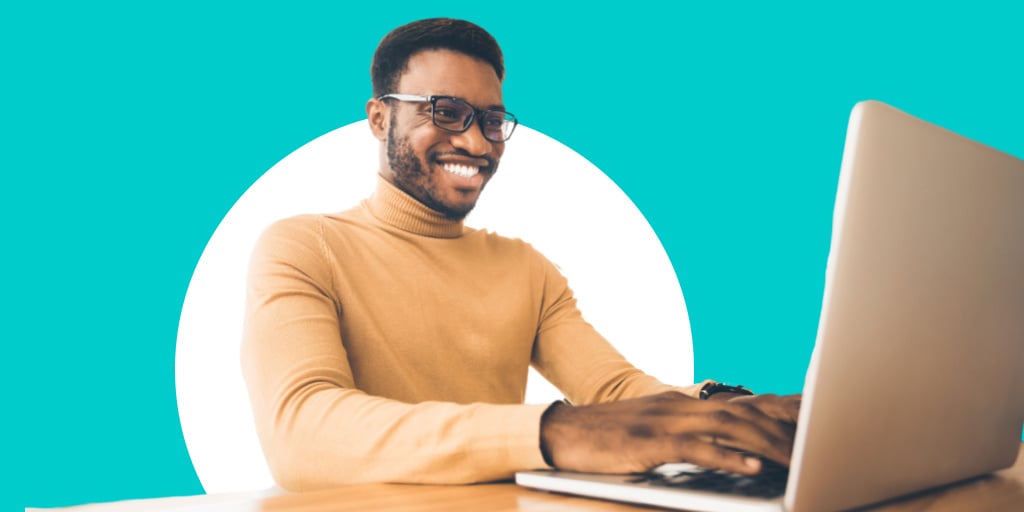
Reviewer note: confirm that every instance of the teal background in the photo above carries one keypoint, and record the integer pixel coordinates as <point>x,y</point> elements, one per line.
<point>129,131</point>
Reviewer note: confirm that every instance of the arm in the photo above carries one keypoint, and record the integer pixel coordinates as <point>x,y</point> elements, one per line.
<point>574,357</point>
<point>316,428</point>
<point>628,421</point>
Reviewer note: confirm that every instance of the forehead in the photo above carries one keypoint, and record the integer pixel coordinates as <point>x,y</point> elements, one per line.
<point>445,72</point>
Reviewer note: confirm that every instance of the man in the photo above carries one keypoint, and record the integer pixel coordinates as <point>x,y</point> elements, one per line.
<point>390,343</point>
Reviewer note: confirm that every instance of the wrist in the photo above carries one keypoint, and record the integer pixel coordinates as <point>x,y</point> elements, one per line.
<point>546,431</point>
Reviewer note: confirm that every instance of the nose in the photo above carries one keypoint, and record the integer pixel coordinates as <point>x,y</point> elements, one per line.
<point>472,140</point>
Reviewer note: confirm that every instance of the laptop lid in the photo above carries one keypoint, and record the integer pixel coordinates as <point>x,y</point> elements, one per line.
<point>918,370</point>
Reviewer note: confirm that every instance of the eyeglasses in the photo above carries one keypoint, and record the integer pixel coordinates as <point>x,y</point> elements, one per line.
<point>456,115</point>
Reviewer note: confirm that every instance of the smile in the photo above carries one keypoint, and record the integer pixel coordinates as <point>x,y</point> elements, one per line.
<point>466,171</point>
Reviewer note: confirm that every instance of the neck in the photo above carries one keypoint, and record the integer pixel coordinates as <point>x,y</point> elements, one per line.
<point>395,207</point>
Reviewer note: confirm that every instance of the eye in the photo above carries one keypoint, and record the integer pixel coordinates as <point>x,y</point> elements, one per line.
<point>447,114</point>
<point>494,120</point>
<point>451,112</point>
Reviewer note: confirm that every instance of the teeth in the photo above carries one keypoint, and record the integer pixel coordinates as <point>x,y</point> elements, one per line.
<point>466,171</point>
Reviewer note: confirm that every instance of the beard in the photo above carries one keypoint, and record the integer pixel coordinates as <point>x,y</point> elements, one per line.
<point>415,177</point>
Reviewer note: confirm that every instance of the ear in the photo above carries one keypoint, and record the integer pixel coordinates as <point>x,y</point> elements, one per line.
<point>377,115</point>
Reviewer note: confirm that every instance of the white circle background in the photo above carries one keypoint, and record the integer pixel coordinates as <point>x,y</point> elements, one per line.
<point>545,193</point>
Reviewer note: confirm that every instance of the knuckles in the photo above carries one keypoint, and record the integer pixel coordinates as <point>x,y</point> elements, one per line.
<point>722,416</point>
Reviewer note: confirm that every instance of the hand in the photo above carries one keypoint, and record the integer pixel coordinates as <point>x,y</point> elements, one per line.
<point>783,408</point>
<point>636,435</point>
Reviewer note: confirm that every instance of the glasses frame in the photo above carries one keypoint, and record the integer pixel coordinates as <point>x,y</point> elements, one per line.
<point>476,114</point>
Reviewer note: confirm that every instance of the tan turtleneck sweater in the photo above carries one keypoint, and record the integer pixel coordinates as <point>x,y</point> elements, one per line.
<point>390,344</point>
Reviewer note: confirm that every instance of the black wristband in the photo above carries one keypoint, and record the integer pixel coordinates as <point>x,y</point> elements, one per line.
<point>715,387</point>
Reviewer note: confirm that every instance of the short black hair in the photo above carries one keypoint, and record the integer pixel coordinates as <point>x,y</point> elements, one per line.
<point>394,51</point>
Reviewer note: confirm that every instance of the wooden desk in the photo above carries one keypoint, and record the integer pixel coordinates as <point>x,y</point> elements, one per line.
<point>1000,492</point>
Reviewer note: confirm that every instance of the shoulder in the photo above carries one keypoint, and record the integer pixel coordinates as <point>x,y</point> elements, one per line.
<point>300,241</point>
<point>301,230</point>
<point>504,244</point>
<point>313,238</point>
<point>519,250</point>
<point>309,229</point>
<point>291,248</point>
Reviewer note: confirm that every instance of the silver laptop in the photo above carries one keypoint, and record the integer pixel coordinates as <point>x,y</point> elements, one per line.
<point>918,370</point>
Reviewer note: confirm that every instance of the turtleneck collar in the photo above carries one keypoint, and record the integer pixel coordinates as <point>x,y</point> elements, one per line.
<point>394,207</point>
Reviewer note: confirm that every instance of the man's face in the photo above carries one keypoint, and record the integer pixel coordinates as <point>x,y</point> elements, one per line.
<point>443,170</point>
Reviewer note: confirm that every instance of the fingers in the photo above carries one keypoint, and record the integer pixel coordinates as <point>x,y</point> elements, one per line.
<point>783,408</point>
<point>713,456</point>
<point>790,407</point>
<point>732,424</point>
<point>639,434</point>
<point>699,450</point>
<point>743,428</point>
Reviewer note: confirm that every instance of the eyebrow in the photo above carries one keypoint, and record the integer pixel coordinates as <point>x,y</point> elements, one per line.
<point>493,106</point>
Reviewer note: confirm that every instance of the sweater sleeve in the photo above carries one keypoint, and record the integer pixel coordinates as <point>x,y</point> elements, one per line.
<point>316,429</point>
<point>580,362</point>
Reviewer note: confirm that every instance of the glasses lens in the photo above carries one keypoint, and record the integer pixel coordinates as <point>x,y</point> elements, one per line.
<point>452,114</point>
<point>455,115</point>
<point>498,126</point>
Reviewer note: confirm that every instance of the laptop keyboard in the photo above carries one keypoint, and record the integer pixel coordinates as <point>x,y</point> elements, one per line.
<point>769,483</point>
